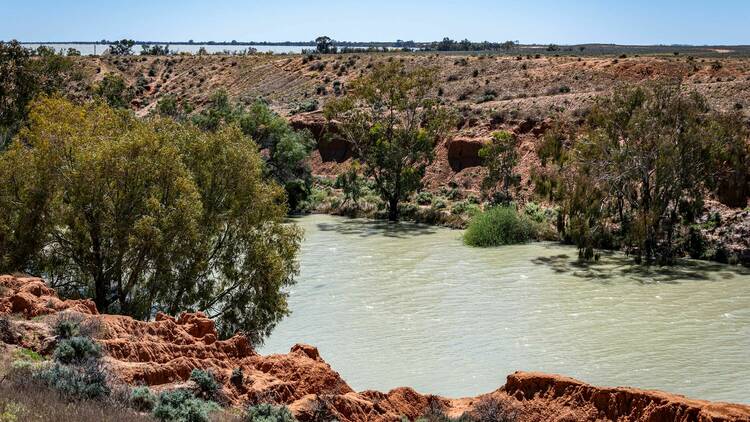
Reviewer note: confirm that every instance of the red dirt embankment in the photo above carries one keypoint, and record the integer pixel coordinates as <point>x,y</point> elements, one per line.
<point>162,353</point>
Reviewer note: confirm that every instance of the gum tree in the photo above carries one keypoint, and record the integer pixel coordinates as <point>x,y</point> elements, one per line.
<point>393,120</point>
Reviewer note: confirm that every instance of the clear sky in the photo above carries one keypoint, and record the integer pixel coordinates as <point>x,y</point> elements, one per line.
<point>530,21</point>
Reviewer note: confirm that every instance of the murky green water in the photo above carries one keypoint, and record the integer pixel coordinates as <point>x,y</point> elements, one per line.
<point>411,305</point>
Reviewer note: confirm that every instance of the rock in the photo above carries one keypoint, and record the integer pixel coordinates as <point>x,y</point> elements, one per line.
<point>330,147</point>
<point>31,297</point>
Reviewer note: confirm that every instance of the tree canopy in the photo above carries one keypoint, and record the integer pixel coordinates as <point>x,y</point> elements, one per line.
<point>393,119</point>
<point>147,215</point>
<point>288,149</point>
<point>640,172</point>
<point>22,78</point>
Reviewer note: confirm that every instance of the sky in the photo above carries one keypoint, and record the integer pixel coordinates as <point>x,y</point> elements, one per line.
<point>714,22</point>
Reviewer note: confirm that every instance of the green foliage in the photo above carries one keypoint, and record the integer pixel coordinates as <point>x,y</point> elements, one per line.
<point>76,350</point>
<point>237,377</point>
<point>154,50</point>
<point>21,79</point>
<point>28,355</point>
<point>498,226</point>
<point>67,326</point>
<point>439,204</point>
<point>168,106</point>
<point>306,106</point>
<point>114,91</point>
<point>206,382</point>
<point>123,47</point>
<point>269,413</point>
<point>465,208</point>
<point>500,156</point>
<point>350,183</point>
<point>424,198</point>
<point>142,399</point>
<point>539,214</point>
<point>147,215</point>
<point>394,146</point>
<point>648,158</point>
<point>86,381</point>
<point>12,412</point>
<point>182,406</point>
<point>287,149</point>
<point>324,45</point>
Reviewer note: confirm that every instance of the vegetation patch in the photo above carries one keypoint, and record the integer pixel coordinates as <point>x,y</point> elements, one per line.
<point>498,226</point>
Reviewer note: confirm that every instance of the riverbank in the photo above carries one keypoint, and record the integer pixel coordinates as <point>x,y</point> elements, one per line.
<point>161,354</point>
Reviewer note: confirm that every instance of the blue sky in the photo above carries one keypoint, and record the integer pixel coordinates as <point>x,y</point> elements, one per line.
<point>540,21</point>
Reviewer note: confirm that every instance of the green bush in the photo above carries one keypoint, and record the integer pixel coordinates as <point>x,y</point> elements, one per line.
<point>28,355</point>
<point>88,381</point>
<point>207,385</point>
<point>439,204</point>
<point>465,207</point>
<point>269,413</point>
<point>182,406</point>
<point>424,198</point>
<point>498,226</point>
<point>67,326</point>
<point>237,377</point>
<point>76,350</point>
<point>142,399</point>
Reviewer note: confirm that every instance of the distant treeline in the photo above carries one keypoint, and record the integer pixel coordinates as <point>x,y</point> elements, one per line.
<point>450,45</point>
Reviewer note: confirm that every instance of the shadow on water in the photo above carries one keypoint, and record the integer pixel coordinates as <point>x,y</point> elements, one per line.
<point>367,228</point>
<point>613,266</point>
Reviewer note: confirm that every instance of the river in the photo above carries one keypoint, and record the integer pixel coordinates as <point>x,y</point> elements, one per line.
<point>410,305</point>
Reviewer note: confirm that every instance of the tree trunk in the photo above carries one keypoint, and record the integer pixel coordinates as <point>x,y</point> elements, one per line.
<point>101,293</point>
<point>393,208</point>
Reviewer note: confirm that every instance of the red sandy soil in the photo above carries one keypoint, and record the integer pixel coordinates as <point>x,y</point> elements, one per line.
<point>163,352</point>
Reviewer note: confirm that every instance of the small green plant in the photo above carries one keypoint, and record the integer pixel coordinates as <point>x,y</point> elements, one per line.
<point>142,399</point>
<point>86,381</point>
<point>269,413</point>
<point>498,226</point>
<point>28,355</point>
<point>76,350</point>
<point>182,406</point>
<point>439,204</point>
<point>424,198</point>
<point>208,387</point>
<point>465,207</point>
<point>237,377</point>
<point>67,326</point>
<point>12,412</point>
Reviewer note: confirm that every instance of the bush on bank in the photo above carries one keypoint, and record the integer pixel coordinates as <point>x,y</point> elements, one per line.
<point>498,226</point>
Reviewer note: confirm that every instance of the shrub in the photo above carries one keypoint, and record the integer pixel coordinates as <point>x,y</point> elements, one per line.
<point>28,355</point>
<point>306,106</point>
<point>237,377</point>
<point>464,207</point>
<point>439,204</point>
<point>67,326</point>
<point>76,350</point>
<point>424,198</point>
<point>269,413</point>
<point>87,381</point>
<point>182,406</point>
<point>535,212</point>
<point>207,385</point>
<point>498,226</point>
<point>491,409</point>
<point>8,333</point>
<point>142,399</point>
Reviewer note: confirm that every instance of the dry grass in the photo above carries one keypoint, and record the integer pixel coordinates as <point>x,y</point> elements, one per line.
<point>32,402</point>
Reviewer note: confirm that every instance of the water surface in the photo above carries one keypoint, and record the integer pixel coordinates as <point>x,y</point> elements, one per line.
<point>411,305</point>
